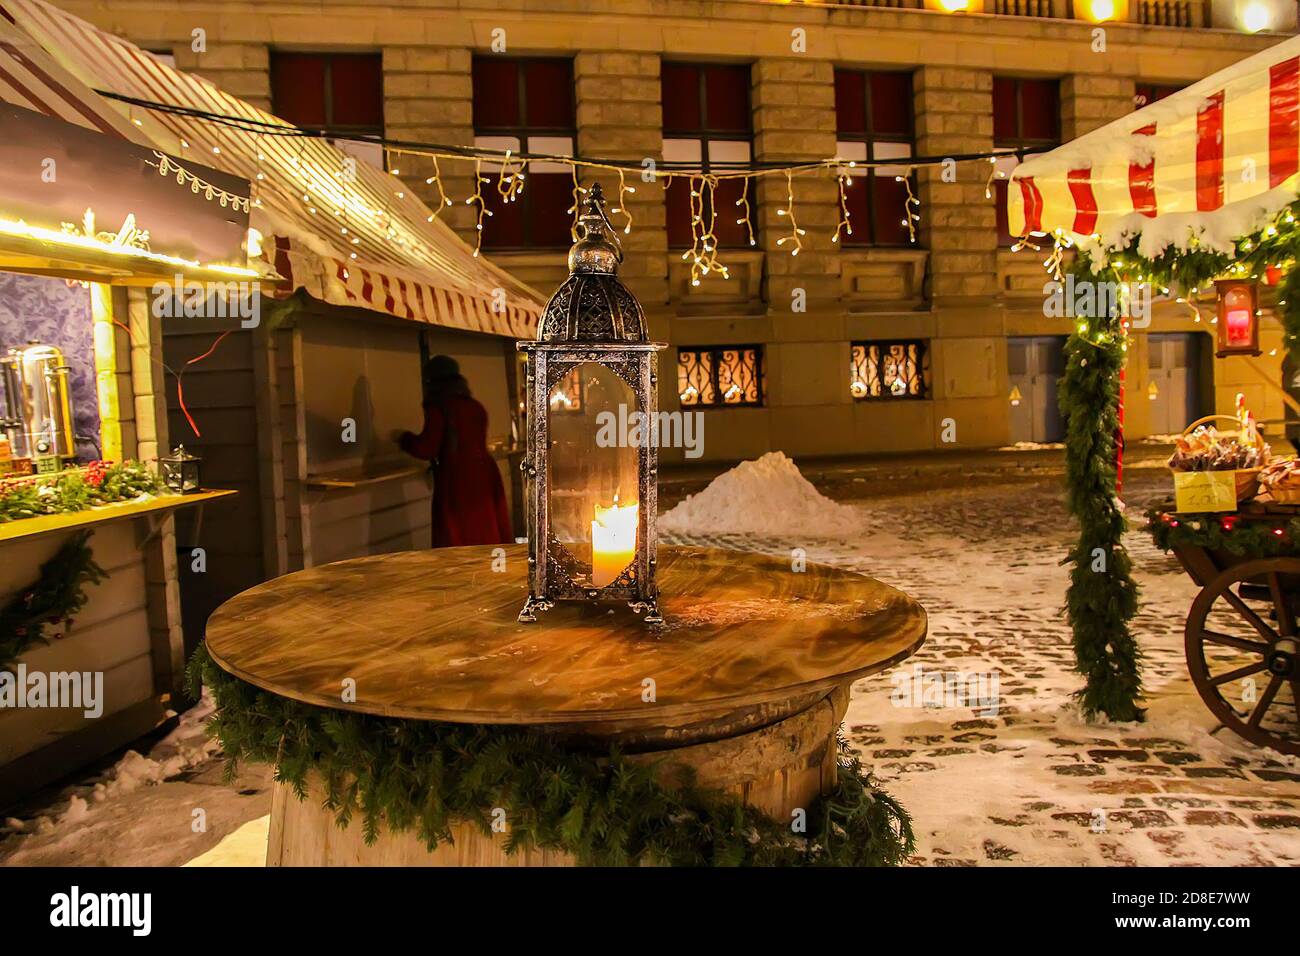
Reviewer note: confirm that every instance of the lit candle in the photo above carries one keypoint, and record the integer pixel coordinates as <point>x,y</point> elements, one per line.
<point>613,542</point>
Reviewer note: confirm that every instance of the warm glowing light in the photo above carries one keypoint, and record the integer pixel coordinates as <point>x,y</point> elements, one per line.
<point>254,245</point>
<point>1255,17</point>
<point>613,542</point>
<point>954,6</point>
<point>20,229</point>
<point>1103,10</point>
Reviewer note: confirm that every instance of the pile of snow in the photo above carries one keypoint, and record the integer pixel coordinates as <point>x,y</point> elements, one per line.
<point>187,746</point>
<point>766,497</point>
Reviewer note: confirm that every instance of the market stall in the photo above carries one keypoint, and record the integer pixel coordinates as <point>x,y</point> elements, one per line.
<point>90,644</point>
<point>1195,195</point>
<point>298,412</point>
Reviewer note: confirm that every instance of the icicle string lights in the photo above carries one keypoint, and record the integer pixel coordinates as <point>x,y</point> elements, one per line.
<point>703,253</point>
<point>796,234</point>
<point>511,167</point>
<point>845,225</point>
<point>477,200</point>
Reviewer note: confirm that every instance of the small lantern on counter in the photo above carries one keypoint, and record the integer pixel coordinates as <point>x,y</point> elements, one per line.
<point>592,469</point>
<point>180,471</point>
<point>1238,317</point>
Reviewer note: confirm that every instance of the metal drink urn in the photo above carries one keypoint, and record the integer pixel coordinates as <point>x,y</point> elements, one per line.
<point>38,407</point>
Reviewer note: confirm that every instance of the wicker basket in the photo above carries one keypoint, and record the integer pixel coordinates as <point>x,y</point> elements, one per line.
<point>1285,496</point>
<point>1247,479</point>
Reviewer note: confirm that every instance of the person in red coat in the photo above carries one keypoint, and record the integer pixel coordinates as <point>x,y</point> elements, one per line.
<point>469,500</point>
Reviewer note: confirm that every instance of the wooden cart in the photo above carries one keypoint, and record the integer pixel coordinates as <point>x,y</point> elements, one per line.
<point>1240,636</point>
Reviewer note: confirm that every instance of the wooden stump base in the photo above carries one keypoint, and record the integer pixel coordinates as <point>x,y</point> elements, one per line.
<point>777,769</point>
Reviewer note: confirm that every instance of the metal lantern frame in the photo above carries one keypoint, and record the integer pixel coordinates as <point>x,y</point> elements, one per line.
<point>1250,288</point>
<point>591,318</point>
<point>181,471</point>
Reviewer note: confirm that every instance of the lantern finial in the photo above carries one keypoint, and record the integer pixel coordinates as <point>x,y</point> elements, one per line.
<point>592,304</point>
<point>597,249</point>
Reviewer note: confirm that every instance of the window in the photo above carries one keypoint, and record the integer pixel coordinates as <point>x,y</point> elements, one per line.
<point>338,91</point>
<point>727,375</point>
<point>526,105</point>
<point>707,123</point>
<point>1025,113</point>
<point>1147,93</point>
<point>874,117</point>
<point>889,370</point>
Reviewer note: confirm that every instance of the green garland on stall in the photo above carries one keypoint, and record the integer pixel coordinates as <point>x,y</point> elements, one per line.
<point>1255,538</point>
<point>1102,596</point>
<point>99,484</point>
<point>1100,604</point>
<point>58,594</point>
<point>1276,244</point>
<point>423,775</point>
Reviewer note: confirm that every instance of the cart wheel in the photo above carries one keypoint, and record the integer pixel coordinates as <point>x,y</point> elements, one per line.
<point>1242,650</point>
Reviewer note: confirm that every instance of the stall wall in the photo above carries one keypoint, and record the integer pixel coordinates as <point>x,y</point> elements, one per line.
<point>111,635</point>
<point>220,395</point>
<point>360,388</point>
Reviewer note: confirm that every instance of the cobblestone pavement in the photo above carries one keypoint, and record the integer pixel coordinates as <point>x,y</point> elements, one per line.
<point>1032,783</point>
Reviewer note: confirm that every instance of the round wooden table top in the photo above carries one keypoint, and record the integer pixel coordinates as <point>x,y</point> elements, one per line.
<point>432,635</point>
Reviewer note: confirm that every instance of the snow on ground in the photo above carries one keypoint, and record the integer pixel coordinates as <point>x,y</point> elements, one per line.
<point>1015,779</point>
<point>1031,783</point>
<point>159,809</point>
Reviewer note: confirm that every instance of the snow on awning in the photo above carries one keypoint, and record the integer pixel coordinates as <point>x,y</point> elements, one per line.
<point>367,242</point>
<point>1215,161</point>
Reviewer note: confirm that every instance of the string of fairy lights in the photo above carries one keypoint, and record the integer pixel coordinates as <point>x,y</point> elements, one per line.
<point>506,171</point>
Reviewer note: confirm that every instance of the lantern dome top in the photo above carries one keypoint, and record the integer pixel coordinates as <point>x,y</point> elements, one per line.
<point>593,304</point>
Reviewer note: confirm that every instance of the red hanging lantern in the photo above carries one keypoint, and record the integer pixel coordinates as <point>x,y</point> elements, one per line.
<point>1238,318</point>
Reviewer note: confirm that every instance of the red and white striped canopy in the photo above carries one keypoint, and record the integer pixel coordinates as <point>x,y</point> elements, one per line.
<point>1213,161</point>
<point>358,238</point>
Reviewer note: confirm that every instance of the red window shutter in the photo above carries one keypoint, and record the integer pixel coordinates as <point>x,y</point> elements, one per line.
<point>548,94</point>
<point>357,88</point>
<point>496,93</point>
<point>677,208</point>
<point>551,195</point>
<point>891,104</point>
<point>727,99</point>
<point>1000,205</point>
<point>890,208</point>
<point>298,88</point>
<point>680,86</point>
<point>1006,120</point>
<point>850,102</point>
<point>504,229</point>
<point>1040,109</point>
<point>729,232</point>
<point>855,197</point>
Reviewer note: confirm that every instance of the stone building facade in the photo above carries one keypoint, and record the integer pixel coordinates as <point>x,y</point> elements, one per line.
<point>973,307</point>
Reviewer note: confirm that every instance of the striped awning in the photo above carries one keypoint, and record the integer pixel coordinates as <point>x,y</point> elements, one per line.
<point>345,232</point>
<point>1212,161</point>
<point>30,78</point>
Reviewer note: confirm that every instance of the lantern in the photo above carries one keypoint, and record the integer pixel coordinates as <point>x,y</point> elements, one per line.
<point>180,472</point>
<point>1238,322</point>
<point>592,453</point>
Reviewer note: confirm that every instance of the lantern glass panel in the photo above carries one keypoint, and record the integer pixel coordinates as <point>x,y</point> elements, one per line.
<point>1239,317</point>
<point>592,474</point>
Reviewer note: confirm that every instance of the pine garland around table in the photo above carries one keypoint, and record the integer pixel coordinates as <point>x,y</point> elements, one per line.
<point>57,595</point>
<point>604,810</point>
<point>1102,596</point>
